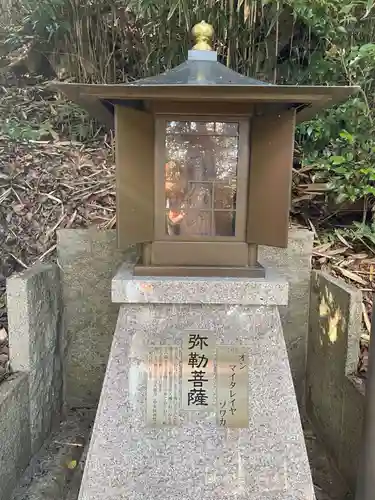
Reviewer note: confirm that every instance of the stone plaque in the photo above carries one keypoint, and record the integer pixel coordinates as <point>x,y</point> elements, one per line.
<point>163,386</point>
<point>198,350</point>
<point>232,400</point>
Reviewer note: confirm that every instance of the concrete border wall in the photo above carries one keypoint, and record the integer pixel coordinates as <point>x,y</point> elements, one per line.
<point>30,399</point>
<point>334,401</point>
<point>89,259</point>
<point>34,304</point>
<point>294,264</point>
<point>15,443</point>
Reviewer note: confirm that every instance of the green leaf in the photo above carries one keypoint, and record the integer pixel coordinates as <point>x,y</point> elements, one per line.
<point>337,160</point>
<point>347,136</point>
<point>346,9</point>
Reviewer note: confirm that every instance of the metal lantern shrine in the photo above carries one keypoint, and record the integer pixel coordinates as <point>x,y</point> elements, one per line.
<point>204,162</point>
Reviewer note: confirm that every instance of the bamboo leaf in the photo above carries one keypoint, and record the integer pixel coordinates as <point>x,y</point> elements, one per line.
<point>239,4</point>
<point>342,239</point>
<point>370,5</point>
<point>366,318</point>
<point>246,10</point>
<point>172,10</point>
<point>350,275</point>
<point>337,251</point>
<point>323,248</point>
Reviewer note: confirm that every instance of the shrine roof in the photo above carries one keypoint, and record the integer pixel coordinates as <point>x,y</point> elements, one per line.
<point>201,78</point>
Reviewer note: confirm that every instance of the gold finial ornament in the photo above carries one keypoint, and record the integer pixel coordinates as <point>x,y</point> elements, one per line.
<point>203,34</point>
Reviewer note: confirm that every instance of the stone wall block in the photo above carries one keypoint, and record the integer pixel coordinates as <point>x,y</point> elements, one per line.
<point>34,310</point>
<point>334,404</point>
<point>294,264</point>
<point>15,444</point>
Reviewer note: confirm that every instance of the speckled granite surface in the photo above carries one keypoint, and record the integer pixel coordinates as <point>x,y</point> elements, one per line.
<point>272,290</point>
<point>196,459</point>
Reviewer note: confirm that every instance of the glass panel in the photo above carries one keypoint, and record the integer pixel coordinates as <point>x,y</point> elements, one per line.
<point>173,219</point>
<point>226,151</point>
<point>199,195</point>
<point>225,223</point>
<point>178,127</point>
<point>202,127</point>
<point>174,192</point>
<point>224,196</point>
<point>200,175</point>
<point>192,222</point>
<point>198,222</point>
<point>226,128</point>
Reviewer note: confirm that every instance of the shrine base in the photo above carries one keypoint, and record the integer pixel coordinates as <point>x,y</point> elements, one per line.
<point>136,455</point>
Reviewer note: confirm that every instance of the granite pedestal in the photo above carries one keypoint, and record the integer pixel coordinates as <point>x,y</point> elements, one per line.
<point>195,457</point>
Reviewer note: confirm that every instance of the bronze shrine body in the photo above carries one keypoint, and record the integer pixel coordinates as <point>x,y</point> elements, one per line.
<point>203,162</point>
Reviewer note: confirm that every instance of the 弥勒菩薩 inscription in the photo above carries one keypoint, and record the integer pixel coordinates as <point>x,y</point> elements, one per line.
<point>198,349</point>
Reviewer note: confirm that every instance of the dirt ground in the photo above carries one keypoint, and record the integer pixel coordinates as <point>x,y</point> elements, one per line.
<point>328,483</point>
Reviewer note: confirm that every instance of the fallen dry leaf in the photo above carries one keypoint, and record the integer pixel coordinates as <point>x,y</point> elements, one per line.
<point>46,186</point>
<point>323,248</point>
<point>313,229</point>
<point>3,335</point>
<point>342,239</point>
<point>359,256</point>
<point>366,319</point>
<point>337,251</point>
<point>350,275</point>
<point>317,186</point>
<point>302,198</point>
<point>363,361</point>
<point>72,464</point>
<point>365,337</point>
<point>324,256</point>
